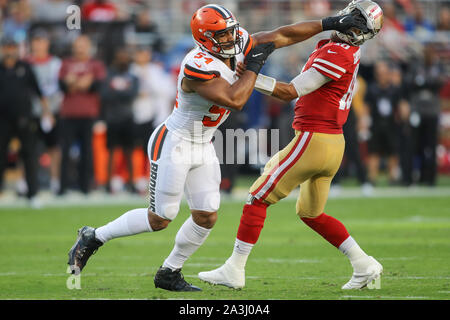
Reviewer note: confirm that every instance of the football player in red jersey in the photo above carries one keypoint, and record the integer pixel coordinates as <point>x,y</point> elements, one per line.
<point>325,90</point>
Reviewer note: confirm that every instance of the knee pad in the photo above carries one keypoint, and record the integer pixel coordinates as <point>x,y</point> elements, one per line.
<point>169,211</point>
<point>205,201</point>
<point>212,202</point>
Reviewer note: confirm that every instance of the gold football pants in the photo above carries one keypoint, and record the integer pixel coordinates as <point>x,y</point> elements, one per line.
<point>310,160</point>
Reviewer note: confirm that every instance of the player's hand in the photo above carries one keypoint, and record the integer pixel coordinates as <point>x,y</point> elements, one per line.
<point>345,23</point>
<point>258,55</point>
<point>240,68</point>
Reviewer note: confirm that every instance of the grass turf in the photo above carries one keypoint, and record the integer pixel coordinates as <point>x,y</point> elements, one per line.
<point>409,236</point>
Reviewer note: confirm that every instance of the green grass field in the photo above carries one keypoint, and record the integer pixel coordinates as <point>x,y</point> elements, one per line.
<point>409,236</point>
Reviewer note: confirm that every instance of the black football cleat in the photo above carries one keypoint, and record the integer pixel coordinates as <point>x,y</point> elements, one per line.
<point>85,246</point>
<point>170,280</point>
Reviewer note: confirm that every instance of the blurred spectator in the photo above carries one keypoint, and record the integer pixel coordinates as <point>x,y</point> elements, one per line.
<point>382,99</point>
<point>118,93</point>
<point>317,8</point>
<point>391,20</point>
<point>99,11</point>
<point>444,19</point>
<point>405,134</point>
<point>392,42</point>
<point>144,32</point>
<point>154,101</point>
<point>51,16</point>
<point>49,10</point>
<point>18,85</point>
<point>80,80</point>
<point>418,25</point>
<point>3,12</point>
<point>190,6</point>
<point>47,67</point>
<point>3,7</point>
<point>16,25</point>
<point>425,78</point>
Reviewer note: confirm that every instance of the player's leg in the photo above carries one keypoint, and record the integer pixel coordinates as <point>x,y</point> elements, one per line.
<point>165,188</point>
<point>203,197</point>
<point>6,132</point>
<point>284,172</point>
<point>374,147</point>
<point>310,208</point>
<point>68,137</point>
<point>51,142</point>
<point>127,148</point>
<point>190,237</point>
<point>393,168</point>
<point>130,223</point>
<point>166,191</point>
<point>85,132</point>
<point>27,134</point>
<point>111,144</point>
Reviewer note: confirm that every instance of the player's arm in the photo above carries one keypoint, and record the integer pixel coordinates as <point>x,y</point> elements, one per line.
<point>289,34</point>
<point>298,32</point>
<point>220,92</point>
<point>303,84</point>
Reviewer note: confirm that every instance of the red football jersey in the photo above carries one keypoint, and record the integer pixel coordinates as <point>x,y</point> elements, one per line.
<point>326,109</point>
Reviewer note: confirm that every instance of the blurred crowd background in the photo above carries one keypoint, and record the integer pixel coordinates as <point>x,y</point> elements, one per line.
<point>77,105</point>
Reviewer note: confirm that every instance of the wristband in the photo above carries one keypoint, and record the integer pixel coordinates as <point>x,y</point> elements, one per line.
<point>265,84</point>
<point>254,66</point>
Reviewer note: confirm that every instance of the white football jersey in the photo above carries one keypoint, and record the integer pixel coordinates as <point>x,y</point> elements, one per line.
<point>194,118</point>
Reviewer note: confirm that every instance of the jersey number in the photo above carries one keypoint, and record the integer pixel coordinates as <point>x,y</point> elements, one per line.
<point>343,45</point>
<point>203,55</point>
<point>346,100</point>
<point>209,122</point>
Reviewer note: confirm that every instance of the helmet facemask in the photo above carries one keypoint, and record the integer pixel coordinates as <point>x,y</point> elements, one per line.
<point>230,48</point>
<point>356,37</point>
<point>371,13</point>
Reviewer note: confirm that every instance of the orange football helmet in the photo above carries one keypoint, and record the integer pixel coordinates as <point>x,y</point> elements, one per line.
<point>211,20</point>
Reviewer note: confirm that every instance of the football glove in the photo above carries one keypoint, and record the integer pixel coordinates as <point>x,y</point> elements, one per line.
<point>345,23</point>
<point>258,55</point>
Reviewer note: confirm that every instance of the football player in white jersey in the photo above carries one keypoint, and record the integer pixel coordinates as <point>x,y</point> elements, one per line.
<point>182,157</point>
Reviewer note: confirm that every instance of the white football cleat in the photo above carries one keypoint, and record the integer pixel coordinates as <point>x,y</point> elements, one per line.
<point>366,270</point>
<point>226,275</point>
